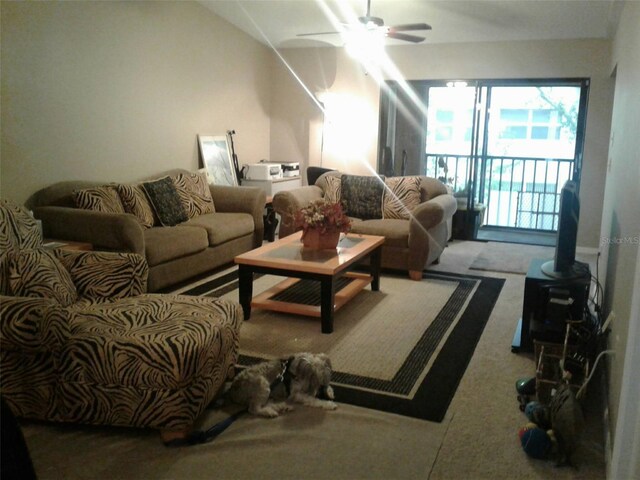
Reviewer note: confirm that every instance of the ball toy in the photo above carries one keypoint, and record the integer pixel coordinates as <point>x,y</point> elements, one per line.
<point>536,443</point>
<point>538,414</point>
<point>526,427</point>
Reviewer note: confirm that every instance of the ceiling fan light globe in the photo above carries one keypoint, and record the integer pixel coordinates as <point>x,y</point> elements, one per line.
<point>371,22</point>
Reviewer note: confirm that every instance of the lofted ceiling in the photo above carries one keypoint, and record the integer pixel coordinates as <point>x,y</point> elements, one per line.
<point>278,22</point>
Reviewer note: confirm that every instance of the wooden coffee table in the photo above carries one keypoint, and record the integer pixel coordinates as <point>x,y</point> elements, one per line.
<point>288,258</point>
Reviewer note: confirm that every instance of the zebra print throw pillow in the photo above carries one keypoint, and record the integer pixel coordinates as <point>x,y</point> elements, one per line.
<point>401,196</point>
<point>194,193</point>
<point>165,201</point>
<point>18,229</point>
<point>332,188</point>
<point>37,273</point>
<point>135,201</point>
<point>100,199</point>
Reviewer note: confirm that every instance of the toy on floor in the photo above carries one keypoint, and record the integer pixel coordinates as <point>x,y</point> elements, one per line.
<point>526,427</point>
<point>536,442</point>
<point>526,387</point>
<point>538,414</point>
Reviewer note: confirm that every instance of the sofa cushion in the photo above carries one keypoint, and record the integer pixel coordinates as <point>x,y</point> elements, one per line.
<point>395,231</point>
<point>165,201</point>
<point>135,201</point>
<point>168,243</point>
<point>22,325</point>
<point>194,193</point>
<point>100,199</point>
<point>147,342</point>
<point>105,276</point>
<point>37,273</point>
<point>223,226</point>
<point>401,196</point>
<point>361,196</point>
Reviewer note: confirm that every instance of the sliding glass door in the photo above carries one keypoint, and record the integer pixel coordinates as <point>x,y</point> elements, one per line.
<point>504,148</point>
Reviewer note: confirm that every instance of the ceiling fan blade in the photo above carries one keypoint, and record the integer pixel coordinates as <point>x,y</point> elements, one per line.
<point>410,26</point>
<point>405,37</point>
<point>317,33</point>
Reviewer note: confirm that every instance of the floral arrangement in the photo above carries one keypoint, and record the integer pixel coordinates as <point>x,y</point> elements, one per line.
<point>324,216</point>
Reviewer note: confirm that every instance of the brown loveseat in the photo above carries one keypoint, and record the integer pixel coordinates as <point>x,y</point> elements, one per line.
<point>80,341</point>
<point>232,223</point>
<point>413,214</point>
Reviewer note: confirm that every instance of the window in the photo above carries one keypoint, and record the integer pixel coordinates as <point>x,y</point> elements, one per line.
<point>514,133</point>
<point>539,133</point>
<point>496,138</point>
<point>512,115</point>
<point>443,134</point>
<point>444,116</point>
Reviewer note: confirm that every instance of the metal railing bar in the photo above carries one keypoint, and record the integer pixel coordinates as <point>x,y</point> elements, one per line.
<point>542,213</point>
<point>562,160</point>
<point>488,187</point>
<point>556,205</point>
<point>510,190</point>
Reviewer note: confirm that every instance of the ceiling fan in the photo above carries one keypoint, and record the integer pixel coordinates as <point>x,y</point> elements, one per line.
<point>371,23</point>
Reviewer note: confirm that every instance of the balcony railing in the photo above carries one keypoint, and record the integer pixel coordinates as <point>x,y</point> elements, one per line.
<point>517,192</point>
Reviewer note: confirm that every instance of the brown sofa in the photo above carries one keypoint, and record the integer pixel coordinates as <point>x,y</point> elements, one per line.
<point>173,253</point>
<point>81,341</point>
<point>415,236</point>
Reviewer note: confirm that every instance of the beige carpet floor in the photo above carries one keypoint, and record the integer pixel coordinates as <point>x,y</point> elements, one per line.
<point>477,440</point>
<point>361,335</point>
<point>509,257</point>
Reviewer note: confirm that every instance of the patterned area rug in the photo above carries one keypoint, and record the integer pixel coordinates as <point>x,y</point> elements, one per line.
<point>403,349</point>
<point>510,257</point>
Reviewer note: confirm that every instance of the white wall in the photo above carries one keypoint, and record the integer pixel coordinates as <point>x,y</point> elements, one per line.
<point>360,93</point>
<point>620,239</point>
<point>118,91</point>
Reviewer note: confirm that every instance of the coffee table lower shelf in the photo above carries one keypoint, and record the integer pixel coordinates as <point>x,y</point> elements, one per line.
<point>265,299</point>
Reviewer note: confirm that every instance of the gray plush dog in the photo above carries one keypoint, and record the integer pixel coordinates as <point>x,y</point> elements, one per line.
<point>269,388</point>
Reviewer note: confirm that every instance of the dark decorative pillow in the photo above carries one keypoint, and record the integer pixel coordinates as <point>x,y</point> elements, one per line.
<point>135,201</point>
<point>361,196</point>
<point>100,199</point>
<point>401,196</point>
<point>194,193</point>
<point>165,201</point>
<point>37,273</point>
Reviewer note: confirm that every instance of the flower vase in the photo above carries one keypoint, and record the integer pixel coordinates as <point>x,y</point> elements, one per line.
<point>316,240</point>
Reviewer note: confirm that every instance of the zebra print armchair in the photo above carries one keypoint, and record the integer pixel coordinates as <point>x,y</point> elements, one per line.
<point>80,341</point>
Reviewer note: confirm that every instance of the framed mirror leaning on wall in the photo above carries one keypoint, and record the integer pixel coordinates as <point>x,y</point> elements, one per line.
<point>215,156</point>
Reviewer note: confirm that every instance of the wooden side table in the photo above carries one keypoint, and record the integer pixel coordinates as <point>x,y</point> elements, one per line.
<point>66,245</point>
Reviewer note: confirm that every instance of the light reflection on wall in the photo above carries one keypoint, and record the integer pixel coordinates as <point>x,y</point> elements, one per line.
<point>350,125</point>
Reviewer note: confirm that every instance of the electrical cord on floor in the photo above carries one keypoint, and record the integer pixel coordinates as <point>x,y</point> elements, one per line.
<point>204,436</point>
<point>595,364</point>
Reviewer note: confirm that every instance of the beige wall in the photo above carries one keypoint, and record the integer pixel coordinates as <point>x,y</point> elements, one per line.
<point>349,83</point>
<point>621,216</point>
<point>118,91</point>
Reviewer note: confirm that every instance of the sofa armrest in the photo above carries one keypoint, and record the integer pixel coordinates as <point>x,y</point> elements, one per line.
<point>287,203</point>
<point>22,322</point>
<point>433,212</point>
<point>109,231</point>
<point>249,200</point>
<point>425,217</point>
<point>106,275</point>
